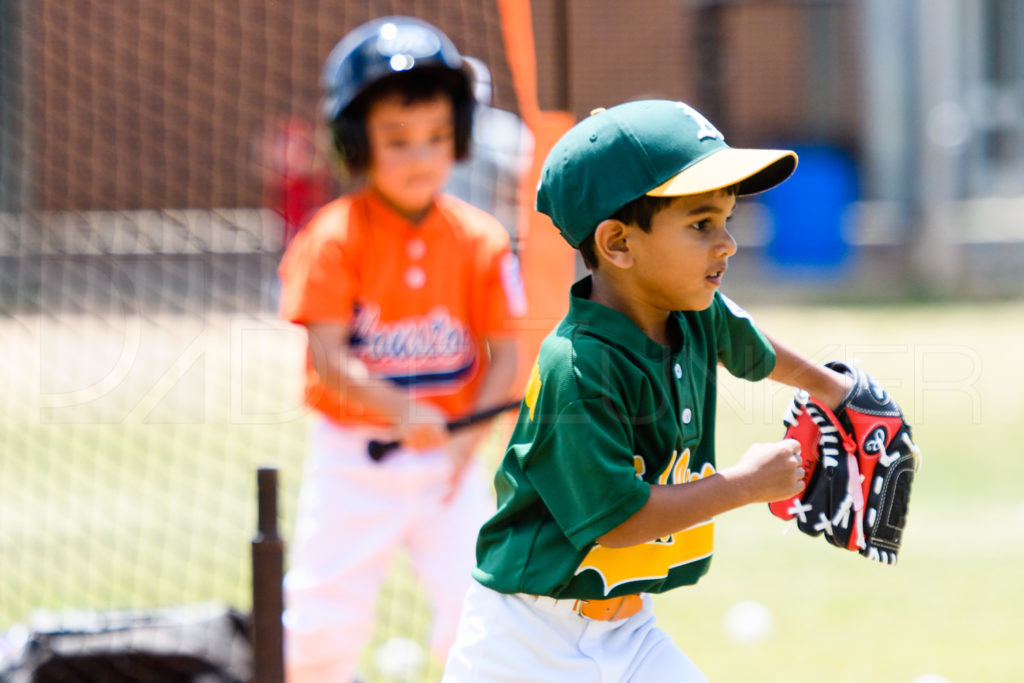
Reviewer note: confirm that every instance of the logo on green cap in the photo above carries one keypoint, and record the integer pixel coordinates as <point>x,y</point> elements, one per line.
<point>705,129</point>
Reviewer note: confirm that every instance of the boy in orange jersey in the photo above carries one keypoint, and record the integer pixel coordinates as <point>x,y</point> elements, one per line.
<point>406,294</point>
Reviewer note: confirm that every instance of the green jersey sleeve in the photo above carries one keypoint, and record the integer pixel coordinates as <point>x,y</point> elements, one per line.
<point>584,469</point>
<point>742,348</point>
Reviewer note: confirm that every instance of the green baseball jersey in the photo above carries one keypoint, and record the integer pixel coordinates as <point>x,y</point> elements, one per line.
<point>608,412</point>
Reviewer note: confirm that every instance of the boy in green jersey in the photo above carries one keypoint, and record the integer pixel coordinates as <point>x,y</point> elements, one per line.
<point>609,486</point>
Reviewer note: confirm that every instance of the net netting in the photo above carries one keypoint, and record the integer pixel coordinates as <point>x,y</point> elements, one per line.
<point>154,158</point>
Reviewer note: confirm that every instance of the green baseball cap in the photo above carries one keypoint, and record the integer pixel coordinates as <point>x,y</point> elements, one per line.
<point>654,147</point>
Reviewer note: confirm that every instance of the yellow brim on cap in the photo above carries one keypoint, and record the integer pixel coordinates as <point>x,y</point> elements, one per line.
<point>755,170</point>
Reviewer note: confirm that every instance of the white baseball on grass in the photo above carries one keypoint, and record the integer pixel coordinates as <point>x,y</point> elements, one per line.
<point>748,621</point>
<point>930,678</point>
<point>399,658</point>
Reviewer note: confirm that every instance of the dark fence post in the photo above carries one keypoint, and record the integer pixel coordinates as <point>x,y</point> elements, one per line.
<point>267,575</point>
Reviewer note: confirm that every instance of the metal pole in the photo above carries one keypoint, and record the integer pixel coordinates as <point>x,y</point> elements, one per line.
<point>267,575</point>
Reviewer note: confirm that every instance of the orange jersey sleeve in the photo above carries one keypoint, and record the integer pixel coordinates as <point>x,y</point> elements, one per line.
<point>318,282</point>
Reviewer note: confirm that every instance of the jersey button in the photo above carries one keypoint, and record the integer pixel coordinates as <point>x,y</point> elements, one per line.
<point>415,278</point>
<point>415,248</point>
<point>679,371</point>
<point>687,416</point>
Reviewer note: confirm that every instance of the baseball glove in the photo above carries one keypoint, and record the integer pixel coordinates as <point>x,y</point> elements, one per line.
<point>859,463</point>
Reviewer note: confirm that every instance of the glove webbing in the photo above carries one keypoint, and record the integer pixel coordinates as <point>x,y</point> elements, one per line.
<point>835,443</point>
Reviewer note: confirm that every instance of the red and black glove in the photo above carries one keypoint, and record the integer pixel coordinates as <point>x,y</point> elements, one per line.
<point>859,462</point>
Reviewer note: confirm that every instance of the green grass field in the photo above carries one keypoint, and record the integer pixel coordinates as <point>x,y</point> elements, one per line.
<point>128,481</point>
<point>952,606</point>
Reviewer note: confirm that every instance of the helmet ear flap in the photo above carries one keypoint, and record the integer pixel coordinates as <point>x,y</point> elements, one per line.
<point>350,141</point>
<point>463,105</point>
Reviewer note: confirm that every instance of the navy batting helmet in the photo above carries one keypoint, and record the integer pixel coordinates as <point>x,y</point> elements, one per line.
<point>387,55</point>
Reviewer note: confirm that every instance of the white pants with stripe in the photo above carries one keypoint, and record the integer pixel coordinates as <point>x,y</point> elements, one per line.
<point>353,516</point>
<point>514,638</point>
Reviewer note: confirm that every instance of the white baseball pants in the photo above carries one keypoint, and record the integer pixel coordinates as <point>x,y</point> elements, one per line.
<point>353,515</point>
<point>514,638</point>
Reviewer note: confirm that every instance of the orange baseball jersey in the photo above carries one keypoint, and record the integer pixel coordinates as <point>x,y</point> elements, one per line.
<point>419,299</point>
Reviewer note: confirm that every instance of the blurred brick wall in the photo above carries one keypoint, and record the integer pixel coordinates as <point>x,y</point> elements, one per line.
<point>151,104</point>
<point>792,76</point>
<point>763,71</point>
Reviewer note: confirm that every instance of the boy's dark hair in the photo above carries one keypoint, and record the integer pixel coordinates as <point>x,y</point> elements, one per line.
<point>413,86</point>
<point>639,212</point>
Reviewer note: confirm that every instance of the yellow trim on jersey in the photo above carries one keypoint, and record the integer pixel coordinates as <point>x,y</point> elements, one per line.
<point>532,391</point>
<point>653,560</point>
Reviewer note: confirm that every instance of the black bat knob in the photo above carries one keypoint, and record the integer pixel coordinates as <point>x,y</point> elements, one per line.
<point>378,449</point>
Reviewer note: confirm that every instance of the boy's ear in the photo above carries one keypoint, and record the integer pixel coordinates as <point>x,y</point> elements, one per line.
<point>611,244</point>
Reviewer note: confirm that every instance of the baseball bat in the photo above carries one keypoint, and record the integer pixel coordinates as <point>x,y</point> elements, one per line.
<point>379,449</point>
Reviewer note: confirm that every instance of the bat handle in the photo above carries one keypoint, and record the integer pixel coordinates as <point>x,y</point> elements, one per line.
<point>378,449</point>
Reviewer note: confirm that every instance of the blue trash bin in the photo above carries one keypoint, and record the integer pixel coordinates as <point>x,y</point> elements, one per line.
<point>807,213</point>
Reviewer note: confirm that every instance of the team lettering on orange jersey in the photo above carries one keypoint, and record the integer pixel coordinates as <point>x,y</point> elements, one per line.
<point>432,346</point>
